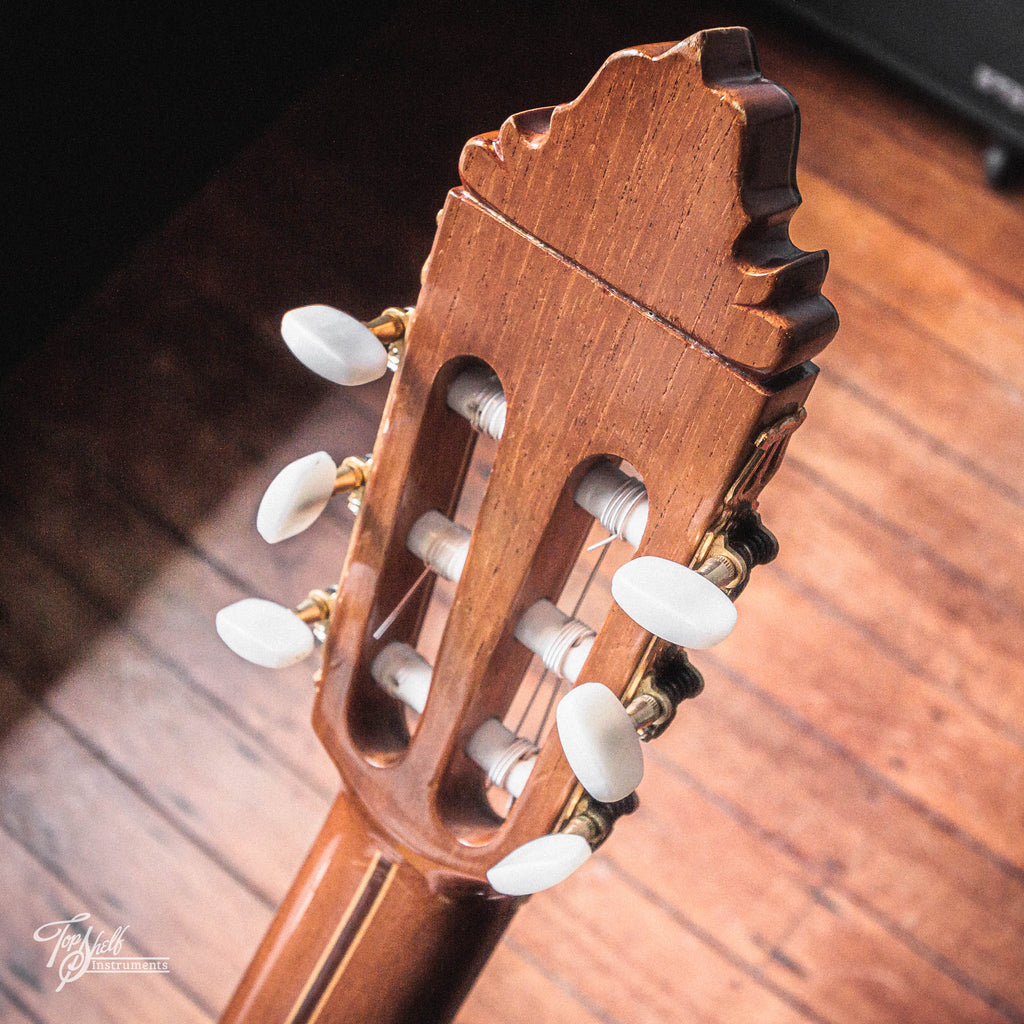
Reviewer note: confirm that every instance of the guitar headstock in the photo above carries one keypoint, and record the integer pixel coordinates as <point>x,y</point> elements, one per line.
<point>612,296</point>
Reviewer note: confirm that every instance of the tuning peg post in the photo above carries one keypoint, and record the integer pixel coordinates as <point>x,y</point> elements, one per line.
<point>561,642</point>
<point>405,673</point>
<point>507,758</point>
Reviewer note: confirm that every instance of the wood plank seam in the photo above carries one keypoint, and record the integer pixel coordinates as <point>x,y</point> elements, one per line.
<point>561,982</point>
<point>706,938</point>
<point>831,880</point>
<point>168,661</point>
<point>939,447</point>
<point>913,667</point>
<point>833,746</point>
<point>913,543</point>
<point>888,311</point>
<point>54,871</point>
<point>862,196</point>
<point>994,1000</point>
<point>124,776</point>
<point>13,997</point>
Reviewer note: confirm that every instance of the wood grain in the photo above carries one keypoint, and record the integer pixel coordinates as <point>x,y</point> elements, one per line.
<point>794,875</point>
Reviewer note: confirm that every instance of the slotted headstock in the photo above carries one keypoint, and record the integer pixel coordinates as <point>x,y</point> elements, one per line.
<point>622,264</point>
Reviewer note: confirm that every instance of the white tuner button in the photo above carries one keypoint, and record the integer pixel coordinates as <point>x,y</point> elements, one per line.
<point>334,344</point>
<point>264,633</point>
<point>673,602</point>
<point>539,864</point>
<point>600,742</point>
<point>296,497</point>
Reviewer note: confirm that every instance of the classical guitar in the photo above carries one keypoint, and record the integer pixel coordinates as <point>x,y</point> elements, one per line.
<point>612,341</point>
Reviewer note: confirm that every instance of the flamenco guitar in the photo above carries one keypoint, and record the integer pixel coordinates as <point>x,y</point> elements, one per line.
<point>613,309</point>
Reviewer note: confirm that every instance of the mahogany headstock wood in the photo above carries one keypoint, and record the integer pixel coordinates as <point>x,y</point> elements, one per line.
<point>622,262</point>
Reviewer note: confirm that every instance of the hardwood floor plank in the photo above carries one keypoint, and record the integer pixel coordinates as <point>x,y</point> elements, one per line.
<point>119,858</point>
<point>788,783</point>
<point>14,1010</point>
<point>924,387</point>
<point>515,988</point>
<point>599,934</point>
<point>753,896</point>
<point>233,799</point>
<point>952,634</point>
<point>870,705</point>
<point>709,868</point>
<point>908,276</point>
<point>139,715</point>
<point>902,482</point>
<point>27,972</point>
<point>852,971</point>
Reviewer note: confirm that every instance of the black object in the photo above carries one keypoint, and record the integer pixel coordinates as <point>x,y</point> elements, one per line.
<point>968,55</point>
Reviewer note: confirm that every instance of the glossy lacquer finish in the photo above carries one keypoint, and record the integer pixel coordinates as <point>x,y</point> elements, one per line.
<point>623,264</point>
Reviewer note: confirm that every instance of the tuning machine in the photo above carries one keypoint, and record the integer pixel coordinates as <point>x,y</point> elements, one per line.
<point>543,862</point>
<point>600,737</point>
<point>271,635</point>
<point>341,348</point>
<point>300,492</point>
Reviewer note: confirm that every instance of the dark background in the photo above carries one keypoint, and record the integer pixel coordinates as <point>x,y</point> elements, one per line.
<point>115,114</point>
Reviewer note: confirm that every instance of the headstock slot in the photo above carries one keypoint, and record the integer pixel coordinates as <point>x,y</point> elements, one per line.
<point>463,804</point>
<point>378,722</point>
<point>559,648</point>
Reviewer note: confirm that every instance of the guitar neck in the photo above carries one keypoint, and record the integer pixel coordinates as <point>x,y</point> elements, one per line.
<point>361,937</point>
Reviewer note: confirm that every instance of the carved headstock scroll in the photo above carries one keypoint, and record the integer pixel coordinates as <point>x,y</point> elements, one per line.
<point>622,263</point>
<point>672,179</point>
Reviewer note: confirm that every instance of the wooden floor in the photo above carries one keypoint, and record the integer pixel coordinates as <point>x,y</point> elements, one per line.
<point>833,832</point>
